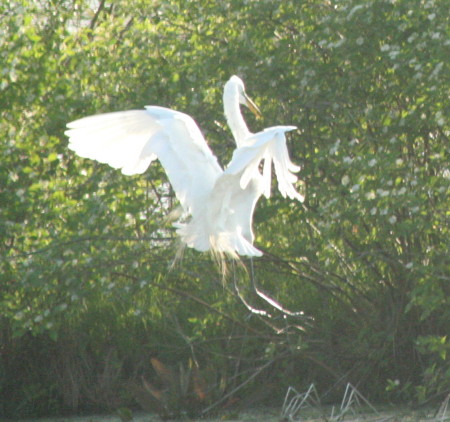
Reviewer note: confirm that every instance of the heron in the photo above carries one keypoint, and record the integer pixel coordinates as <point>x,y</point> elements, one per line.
<point>218,204</point>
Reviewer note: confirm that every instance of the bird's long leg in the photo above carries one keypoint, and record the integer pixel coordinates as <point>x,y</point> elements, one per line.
<point>267,298</point>
<point>246,304</point>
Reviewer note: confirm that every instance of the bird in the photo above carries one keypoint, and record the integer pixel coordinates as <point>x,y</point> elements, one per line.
<point>218,204</point>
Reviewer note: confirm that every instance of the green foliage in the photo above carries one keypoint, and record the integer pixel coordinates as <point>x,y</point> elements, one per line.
<point>86,252</point>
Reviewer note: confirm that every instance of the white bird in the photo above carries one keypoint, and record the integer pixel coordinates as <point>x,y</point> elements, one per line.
<point>220,203</point>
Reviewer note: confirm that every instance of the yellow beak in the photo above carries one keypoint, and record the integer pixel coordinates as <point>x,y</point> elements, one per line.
<point>252,106</point>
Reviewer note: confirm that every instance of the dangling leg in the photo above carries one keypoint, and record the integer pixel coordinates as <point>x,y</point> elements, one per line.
<point>267,298</point>
<point>246,304</point>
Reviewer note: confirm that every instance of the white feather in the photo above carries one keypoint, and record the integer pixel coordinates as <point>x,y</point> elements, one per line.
<point>270,146</point>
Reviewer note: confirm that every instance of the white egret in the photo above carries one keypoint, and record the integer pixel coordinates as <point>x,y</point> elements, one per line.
<point>220,203</point>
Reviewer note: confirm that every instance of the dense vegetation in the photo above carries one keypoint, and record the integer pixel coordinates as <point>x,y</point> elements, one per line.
<point>88,294</point>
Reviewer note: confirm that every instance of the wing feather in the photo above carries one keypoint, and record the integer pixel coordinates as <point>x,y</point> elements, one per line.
<point>117,139</point>
<point>131,140</point>
<point>270,146</point>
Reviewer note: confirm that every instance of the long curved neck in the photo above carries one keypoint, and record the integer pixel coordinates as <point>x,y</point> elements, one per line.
<point>234,116</point>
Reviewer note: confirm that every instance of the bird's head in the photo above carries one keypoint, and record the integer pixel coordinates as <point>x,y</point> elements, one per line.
<point>236,84</point>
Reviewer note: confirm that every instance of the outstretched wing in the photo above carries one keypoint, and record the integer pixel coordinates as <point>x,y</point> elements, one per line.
<point>131,140</point>
<point>270,146</point>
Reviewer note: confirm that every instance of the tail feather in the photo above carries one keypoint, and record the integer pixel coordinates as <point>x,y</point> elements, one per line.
<point>196,234</point>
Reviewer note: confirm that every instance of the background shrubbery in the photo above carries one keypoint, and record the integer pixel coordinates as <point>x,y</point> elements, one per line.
<point>87,298</point>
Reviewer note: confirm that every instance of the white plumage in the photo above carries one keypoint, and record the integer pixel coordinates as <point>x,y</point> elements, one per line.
<point>220,202</point>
